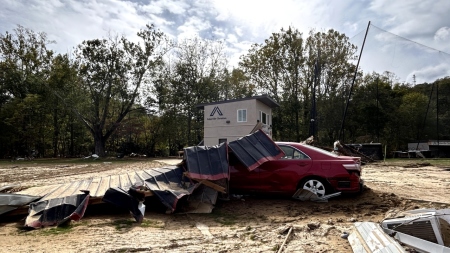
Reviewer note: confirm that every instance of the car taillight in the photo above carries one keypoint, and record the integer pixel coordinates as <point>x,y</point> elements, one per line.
<point>352,166</point>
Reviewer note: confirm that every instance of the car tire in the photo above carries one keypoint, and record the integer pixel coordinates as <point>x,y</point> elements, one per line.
<point>315,185</point>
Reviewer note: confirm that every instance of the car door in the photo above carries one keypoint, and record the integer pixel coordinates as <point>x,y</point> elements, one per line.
<point>283,175</point>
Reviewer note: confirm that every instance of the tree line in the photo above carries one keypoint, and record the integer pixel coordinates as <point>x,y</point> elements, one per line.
<point>115,96</point>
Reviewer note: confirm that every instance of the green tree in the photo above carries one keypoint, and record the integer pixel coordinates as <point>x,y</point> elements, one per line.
<point>290,69</point>
<point>238,85</point>
<point>411,113</point>
<point>195,74</point>
<point>332,54</point>
<point>25,64</point>
<point>275,67</point>
<point>118,70</point>
<point>443,108</point>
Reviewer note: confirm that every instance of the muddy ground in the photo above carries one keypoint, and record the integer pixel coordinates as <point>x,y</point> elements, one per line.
<point>247,224</point>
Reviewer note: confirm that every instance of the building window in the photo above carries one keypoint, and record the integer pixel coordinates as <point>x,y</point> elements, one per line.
<point>264,118</point>
<point>242,115</point>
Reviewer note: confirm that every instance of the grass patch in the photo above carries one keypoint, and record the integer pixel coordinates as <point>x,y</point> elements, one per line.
<point>123,224</point>
<point>147,223</point>
<point>62,229</point>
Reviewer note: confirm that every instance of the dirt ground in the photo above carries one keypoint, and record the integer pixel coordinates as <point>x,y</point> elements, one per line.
<point>247,224</point>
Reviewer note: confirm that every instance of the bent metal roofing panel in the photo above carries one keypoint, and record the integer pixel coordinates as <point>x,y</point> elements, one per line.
<point>96,186</point>
<point>204,162</point>
<point>255,149</point>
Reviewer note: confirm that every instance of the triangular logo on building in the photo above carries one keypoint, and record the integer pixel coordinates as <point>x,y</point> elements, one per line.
<point>216,109</point>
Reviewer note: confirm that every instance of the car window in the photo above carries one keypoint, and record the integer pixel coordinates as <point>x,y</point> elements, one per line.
<point>292,153</point>
<point>322,151</point>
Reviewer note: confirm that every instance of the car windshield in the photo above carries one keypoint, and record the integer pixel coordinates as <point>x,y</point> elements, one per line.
<point>322,151</point>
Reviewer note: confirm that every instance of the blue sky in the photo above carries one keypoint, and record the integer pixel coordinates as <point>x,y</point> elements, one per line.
<point>242,23</point>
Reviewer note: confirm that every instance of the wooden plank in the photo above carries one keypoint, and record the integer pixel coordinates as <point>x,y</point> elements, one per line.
<point>207,183</point>
<point>95,201</point>
<point>285,240</point>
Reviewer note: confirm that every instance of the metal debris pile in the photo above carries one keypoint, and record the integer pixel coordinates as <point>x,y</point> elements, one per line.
<point>420,230</point>
<point>202,174</point>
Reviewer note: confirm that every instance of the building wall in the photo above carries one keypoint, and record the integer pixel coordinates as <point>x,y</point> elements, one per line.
<point>221,120</point>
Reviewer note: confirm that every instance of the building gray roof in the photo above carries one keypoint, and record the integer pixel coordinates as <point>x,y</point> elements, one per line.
<point>265,99</point>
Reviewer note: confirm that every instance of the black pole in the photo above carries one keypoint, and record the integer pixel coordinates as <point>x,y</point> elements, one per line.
<point>378,130</point>
<point>420,131</point>
<point>351,87</point>
<point>313,105</point>
<point>437,112</point>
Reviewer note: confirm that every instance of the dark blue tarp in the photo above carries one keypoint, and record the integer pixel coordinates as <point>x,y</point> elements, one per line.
<point>204,162</point>
<point>255,149</point>
<point>169,185</point>
<point>57,211</point>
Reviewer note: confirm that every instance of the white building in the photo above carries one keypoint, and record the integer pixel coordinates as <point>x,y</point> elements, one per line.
<point>229,120</point>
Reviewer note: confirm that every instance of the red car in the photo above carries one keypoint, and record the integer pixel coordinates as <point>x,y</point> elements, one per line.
<point>303,166</point>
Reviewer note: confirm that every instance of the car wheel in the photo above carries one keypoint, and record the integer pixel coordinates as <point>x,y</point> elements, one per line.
<point>314,185</point>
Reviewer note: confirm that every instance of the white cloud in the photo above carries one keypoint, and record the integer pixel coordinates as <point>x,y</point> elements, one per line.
<point>175,7</point>
<point>238,31</point>
<point>219,33</point>
<point>192,27</point>
<point>431,72</point>
<point>241,23</point>
<point>232,39</point>
<point>442,34</point>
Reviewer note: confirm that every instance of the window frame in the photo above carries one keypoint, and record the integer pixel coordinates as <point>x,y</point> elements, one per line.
<point>242,110</point>
<point>262,119</point>
<point>301,156</point>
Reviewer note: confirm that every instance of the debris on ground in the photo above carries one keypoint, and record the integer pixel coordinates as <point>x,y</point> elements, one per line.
<point>206,166</point>
<point>10,201</point>
<point>342,149</point>
<point>423,230</point>
<point>57,211</point>
<point>308,195</point>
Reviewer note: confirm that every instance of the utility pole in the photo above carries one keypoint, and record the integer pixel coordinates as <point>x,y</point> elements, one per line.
<point>351,87</point>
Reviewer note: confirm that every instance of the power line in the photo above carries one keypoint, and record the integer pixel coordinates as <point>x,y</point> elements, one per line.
<point>434,49</point>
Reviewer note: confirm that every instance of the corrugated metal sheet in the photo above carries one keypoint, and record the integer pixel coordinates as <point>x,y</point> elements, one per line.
<point>10,201</point>
<point>255,149</point>
<point>210,163</point>
<point>56,211</point>
<point>368,237</point>
<point>96,186</point>
<point>419,244</point>
<point>169,185</point>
